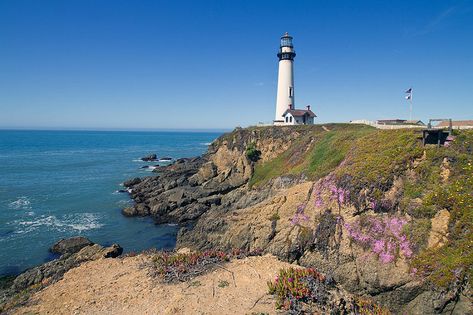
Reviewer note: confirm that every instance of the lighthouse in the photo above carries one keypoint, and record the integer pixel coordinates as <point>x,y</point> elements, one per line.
<point>286,112</point>
<point>285,96</point>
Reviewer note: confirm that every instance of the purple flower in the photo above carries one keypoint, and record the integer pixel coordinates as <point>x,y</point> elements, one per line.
<point>318,201</point>
<point>290,280</point>
<point>378,246</point>
<point>383,236</point>
<point>386,257</point>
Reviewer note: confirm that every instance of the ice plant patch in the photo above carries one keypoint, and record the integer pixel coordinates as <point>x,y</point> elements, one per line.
<point>383,236</point>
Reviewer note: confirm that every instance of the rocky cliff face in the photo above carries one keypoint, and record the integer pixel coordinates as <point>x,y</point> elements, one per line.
<point>364,206</point>
<point>185,190</point>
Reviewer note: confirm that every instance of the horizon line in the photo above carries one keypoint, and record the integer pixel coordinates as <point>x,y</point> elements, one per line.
<point>115,129</point>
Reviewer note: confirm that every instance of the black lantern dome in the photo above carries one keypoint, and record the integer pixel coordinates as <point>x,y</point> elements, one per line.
<point>286,49</point>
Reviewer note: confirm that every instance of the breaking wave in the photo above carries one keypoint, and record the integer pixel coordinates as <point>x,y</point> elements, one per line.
<point>72,222</point>
<point>22,203</point>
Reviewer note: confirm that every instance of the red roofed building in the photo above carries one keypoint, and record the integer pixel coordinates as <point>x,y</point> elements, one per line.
<point>298,116</point>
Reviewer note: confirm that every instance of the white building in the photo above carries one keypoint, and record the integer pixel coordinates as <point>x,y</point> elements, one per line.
<point>298,116</point>
<point>286,113</point>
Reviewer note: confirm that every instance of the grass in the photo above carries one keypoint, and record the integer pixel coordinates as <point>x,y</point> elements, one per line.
<point>316,153</point>
<point>223,283</point>
<point>376,159</point>
<point>452,263</point>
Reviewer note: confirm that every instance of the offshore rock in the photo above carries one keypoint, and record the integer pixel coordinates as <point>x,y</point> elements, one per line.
<point>149,158</point>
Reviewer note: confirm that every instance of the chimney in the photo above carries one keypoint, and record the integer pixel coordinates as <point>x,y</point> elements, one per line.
<point>290,106</point>
<point>308,107</point>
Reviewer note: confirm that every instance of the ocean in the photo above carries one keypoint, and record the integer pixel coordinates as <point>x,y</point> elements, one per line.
<point>58,184</point>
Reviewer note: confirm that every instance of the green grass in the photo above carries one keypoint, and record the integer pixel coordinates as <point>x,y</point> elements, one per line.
<point>376,159</point>
<point>316,153</point>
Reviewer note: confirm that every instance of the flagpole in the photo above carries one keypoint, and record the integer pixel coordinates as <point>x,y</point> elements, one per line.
<point>409,99</point>
<point>410,109</point>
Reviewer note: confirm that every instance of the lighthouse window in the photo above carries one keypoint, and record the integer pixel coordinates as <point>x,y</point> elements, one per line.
<point>291,91</point>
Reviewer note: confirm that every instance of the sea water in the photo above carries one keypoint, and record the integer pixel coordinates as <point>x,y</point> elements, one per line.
<point>58,184</point>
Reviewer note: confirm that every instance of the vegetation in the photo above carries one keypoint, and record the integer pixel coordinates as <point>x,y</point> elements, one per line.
<point>293,286</point>
<point>252,153</point>
<point>306,291</point>
<point>452,263</point>
<point>383,236</point>
<point>364,165</point>
<point>315,153</point>
<point>173,267</point>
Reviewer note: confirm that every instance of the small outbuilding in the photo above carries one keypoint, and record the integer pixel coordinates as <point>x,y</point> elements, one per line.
<point>456,124</point>
<point>299,116</point>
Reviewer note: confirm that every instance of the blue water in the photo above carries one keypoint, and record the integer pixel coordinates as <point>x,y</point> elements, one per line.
<point>56,184</point>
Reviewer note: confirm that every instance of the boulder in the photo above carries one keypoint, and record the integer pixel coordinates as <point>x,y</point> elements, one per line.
<point>70,245</point>
<point>132,182</point>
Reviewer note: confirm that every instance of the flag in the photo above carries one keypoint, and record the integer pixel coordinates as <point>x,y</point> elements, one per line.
<point>409,94</point>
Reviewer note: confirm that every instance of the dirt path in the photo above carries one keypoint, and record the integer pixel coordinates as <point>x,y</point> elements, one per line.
<point>122,286</point>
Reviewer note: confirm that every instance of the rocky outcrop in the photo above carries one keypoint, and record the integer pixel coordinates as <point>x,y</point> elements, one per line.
<point>318,242</point>
<point>76,251</point>
<point>183,191</point>
<point>70,245</point>
<point>149,158</point>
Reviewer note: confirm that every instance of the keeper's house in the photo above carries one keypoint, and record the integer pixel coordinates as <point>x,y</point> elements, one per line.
<point>298,116</point>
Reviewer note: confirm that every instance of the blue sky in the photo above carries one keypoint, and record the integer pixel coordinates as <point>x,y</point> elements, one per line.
<point>212,64</point>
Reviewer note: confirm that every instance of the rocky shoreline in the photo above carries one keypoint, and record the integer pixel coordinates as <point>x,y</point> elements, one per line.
<point>290,216</point>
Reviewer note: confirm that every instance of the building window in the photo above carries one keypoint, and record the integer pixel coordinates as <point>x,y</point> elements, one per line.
<point>287,119</point>
<point>290,119</point>
<point>291,91</point>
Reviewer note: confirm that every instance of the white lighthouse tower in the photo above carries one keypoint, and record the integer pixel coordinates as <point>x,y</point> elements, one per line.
<point>285,96</point>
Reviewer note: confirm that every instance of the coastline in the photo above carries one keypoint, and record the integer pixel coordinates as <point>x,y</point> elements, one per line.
<point>61,184</point>
<point>225,200</point>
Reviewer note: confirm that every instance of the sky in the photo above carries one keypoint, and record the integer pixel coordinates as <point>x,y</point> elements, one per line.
<point>98,64</point>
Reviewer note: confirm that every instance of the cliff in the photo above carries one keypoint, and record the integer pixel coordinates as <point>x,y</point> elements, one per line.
<point>384,216</point>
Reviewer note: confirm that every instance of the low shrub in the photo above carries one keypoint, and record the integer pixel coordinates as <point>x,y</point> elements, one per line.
<point>252,153</point>
<point>306,291</point>
<point>292,286</point>
<point>174,267</point>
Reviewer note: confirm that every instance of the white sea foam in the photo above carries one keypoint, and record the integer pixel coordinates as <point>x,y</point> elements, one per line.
<point>73,222</point>
<point>22,203</point>
<point>206,143</point>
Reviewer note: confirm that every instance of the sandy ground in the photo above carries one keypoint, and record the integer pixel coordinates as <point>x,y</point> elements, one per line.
<point>122,286</point>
